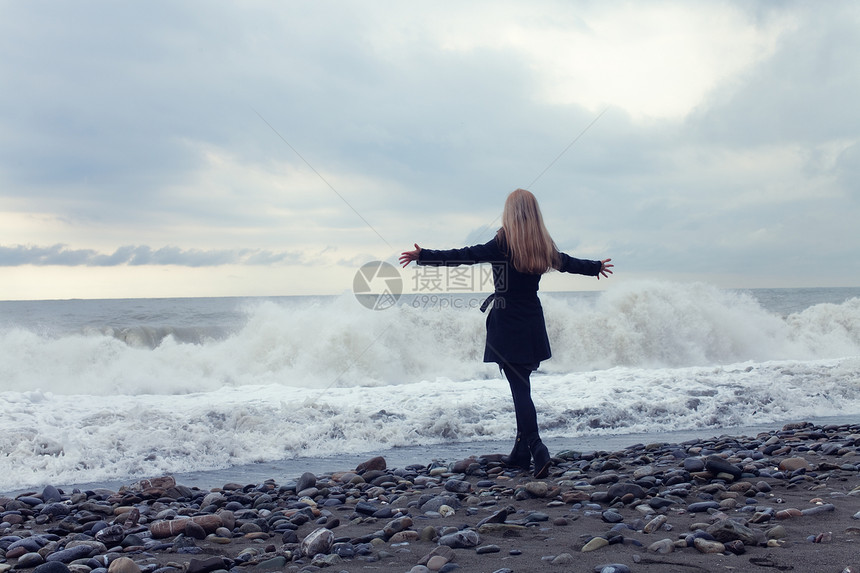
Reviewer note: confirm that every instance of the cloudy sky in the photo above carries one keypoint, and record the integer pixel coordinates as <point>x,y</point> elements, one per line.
<point>201,148</point>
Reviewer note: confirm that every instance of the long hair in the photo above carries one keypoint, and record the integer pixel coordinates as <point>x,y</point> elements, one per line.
<point>529,244</point>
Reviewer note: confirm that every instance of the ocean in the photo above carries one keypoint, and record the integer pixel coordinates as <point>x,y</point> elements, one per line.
<point>113,391</point>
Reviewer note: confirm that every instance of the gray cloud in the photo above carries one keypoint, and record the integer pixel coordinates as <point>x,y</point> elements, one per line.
<point>803,93</point>
<point>62,255</point>
<point>114,107</point>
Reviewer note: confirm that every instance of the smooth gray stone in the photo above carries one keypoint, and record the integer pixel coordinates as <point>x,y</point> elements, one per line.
<point>69,555</point>
<point>461,540</point>
<point>702,506</point>
<point>29,560</point>
<point>52,567</point>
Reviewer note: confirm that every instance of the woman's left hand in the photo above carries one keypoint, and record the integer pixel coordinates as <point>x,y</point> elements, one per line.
<point>604,268</point>
<point>407,257</point>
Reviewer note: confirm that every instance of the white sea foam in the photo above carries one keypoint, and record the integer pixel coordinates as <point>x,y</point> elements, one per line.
<point>328,377</point>
<point>64,438</point>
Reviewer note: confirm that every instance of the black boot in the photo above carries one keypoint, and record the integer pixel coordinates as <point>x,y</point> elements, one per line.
<point>520,456</point>
<point>540,454</point>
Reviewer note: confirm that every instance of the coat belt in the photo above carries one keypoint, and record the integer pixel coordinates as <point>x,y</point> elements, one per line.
<point>487,302</point>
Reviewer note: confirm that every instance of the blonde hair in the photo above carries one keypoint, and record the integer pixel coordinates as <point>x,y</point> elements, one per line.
<point>529,244</point>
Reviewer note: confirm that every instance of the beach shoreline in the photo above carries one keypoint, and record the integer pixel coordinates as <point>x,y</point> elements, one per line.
<point>783,499</point>
<point>291,468</point>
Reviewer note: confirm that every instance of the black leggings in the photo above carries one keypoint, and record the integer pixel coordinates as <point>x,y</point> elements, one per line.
<point>521,390</point>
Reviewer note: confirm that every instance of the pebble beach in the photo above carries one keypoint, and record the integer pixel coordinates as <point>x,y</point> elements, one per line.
<point>782,500</point>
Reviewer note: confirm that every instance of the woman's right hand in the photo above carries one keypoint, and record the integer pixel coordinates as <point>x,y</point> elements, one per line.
<point>407,257</point>
<point>605,268</point>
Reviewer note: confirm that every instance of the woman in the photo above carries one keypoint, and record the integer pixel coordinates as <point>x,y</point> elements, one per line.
<point>521,253</point>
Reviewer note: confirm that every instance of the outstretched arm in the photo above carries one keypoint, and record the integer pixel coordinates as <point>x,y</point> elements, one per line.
<point>407,257</point>
<point>486,253</point>
<point>586,267</point>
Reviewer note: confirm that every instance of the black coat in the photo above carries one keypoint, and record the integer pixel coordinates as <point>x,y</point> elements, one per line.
<point>516,331</point>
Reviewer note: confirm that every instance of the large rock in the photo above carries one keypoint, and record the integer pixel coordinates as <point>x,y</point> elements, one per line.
<point>205,565</point>
<point>662,547</point>
<point>624,488</point>
<point>728,530</point>
<point>708,546</point>
<point>50,567</point>
<point>111,535</point>
<point>318,541</point>
<point>458,486</point>
<point>504,529</point>
<point>461,540</point>
<point>442,550</point>
<point>123,565</point>
<point>31,560</point>
<point>171,527</point>
<point>435,503</point>
<point>307,480</point>
<point>717,465</point>
<point>794,464</point>
<point>373,464</point>
<point>51,494</point>
<point>396,526</point>
<point>537,488</point>
<point>71,554</point>
<point>155,487</point>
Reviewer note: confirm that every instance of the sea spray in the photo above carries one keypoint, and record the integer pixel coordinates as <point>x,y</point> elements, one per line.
<point>61,438</point>
<point>339,343</point>
<point>320,377</point>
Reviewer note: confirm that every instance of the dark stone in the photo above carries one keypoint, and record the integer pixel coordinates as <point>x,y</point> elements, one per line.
<point>384,512</point>
<point>461,540</point>
<point>625,488</point>
<point>69,555</point>
<point>377,463</point>
<point>195,530</point>
<point>30,560</point>
<point>659,502</point>
<point>51,494</point>
<point>290,537</point>
<point>825,508</point>
<point>702,506</point>
<point>52,567</point>
<point>182,542</point>
<point>438,501</point>
<point>728,530</point>
<point>497,517</point>
<point>55,509</point>
<point>344,550</point>
<point>111,535</point>
<point>458,486</point>
<point>363,507</point>
<point>207,565</point>
<point>717,465</point>
<point>132,540</point>
<point>275,564</point>
<point>611,516</point>
<point>31,544</point>
<point>694,464</point>
<point>307,480</point>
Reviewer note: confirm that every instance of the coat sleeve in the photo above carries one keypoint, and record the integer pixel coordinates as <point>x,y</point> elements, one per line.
<point>486,253</point>
<point>579,266</point>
